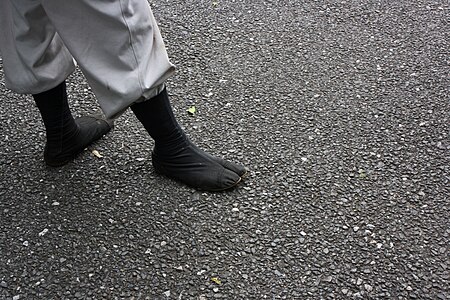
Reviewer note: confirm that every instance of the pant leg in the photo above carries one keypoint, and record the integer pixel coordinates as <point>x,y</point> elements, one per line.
<point>118,46</point>
<point>34,57</point>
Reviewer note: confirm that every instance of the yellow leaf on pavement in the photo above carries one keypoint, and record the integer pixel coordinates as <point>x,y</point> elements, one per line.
<point>191,110</point>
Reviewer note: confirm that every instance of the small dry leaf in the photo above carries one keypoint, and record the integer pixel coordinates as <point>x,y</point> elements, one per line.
<point>362,174</point>
<point>191,110</point>
<point>97,154</point>
<point>216,280</point>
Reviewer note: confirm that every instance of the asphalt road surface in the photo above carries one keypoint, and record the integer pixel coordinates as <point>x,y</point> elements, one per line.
<point>340,109</point>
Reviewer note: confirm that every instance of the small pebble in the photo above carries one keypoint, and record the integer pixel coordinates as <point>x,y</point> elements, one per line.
<point>278,273</point>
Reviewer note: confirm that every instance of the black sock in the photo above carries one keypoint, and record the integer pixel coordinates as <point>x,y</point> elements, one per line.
<point>66,137</point>
<point>176,156</point>
<point>158,119</point>
<point>59,124</point>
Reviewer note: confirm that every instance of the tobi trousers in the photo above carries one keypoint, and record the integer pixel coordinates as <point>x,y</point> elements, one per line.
<point>116,43</point>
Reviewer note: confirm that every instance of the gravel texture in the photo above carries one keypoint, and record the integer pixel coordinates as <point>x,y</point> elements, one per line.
<point>339,108</point>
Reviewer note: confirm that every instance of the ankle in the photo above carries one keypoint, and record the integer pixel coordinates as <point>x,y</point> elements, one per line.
<point>171,145</point>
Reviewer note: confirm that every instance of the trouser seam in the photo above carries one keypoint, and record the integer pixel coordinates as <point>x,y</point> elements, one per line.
<point>132,47</point>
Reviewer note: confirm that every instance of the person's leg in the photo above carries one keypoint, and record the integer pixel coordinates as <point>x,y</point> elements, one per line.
<point>120,50</point>
<point>176,156</point>
<point>117,45</point>
<point>34,57</point>
<point>66,137</point>
<point>35,62</point>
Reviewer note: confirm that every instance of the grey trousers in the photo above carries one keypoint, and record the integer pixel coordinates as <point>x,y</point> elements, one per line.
<point>116,43</point>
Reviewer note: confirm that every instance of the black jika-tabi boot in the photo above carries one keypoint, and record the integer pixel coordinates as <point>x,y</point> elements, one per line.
<point>175,156</point>
<point>66,137</point>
